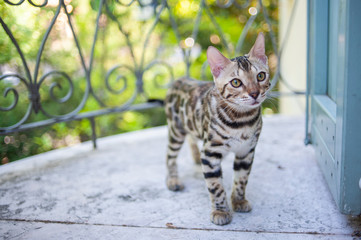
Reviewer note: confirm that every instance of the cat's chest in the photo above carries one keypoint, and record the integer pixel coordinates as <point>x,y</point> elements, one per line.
<point>242,141</point>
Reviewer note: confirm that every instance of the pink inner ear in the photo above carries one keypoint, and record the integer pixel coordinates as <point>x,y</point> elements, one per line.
<point>263,59</point>
<point>216,70</point>
<point>216,61</point>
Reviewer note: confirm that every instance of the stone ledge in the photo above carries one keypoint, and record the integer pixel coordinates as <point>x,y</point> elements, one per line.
<point>118,191</point>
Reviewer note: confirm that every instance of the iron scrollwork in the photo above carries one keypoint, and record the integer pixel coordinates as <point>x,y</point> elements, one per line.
<point>137,67</point>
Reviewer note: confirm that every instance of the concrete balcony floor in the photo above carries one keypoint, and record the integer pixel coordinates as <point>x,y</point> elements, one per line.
<point>118,192</point>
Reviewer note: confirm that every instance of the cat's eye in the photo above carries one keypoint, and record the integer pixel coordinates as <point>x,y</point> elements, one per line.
<point>261,76</point>
<point>236,83</point>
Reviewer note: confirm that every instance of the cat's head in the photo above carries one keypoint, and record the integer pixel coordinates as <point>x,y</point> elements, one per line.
<point>242,81</point>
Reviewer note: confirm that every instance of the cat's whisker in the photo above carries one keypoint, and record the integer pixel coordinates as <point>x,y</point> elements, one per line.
<point>273,102</point>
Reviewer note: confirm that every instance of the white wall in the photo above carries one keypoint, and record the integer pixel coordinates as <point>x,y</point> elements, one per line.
<point>293,59</point>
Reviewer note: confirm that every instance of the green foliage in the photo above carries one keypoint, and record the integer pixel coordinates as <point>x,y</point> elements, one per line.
<point>29,24</point>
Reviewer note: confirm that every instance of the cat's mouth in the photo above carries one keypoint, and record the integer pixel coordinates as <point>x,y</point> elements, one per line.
<point>255,103</point>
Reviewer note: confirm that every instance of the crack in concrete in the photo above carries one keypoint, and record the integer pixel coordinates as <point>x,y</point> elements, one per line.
<point>173,227</point>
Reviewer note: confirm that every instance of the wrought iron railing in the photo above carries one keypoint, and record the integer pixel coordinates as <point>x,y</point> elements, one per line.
<point>137,62</point>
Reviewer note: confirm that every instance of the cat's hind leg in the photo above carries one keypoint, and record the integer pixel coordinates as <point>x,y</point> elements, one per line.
<point>175,142</point>
<point>194,149</point>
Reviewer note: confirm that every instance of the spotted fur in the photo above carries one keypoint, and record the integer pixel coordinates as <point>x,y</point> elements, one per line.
<point>225,117</point>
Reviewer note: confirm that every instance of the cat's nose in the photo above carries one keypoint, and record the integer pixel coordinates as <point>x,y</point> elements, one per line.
<point>254,94</point>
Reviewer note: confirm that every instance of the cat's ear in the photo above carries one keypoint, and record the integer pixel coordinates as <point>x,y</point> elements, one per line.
<point>258,49</point>
<point>216,61</point>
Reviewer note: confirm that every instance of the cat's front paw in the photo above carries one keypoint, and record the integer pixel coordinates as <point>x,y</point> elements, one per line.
<point>221,217</point>
<point>241,206</point>
<point>174,184</point>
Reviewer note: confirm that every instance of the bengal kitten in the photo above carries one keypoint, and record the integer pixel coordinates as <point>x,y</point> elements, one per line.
<point>226,115</point>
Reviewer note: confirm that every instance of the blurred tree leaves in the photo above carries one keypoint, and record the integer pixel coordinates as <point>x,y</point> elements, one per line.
<point>28,25</point>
